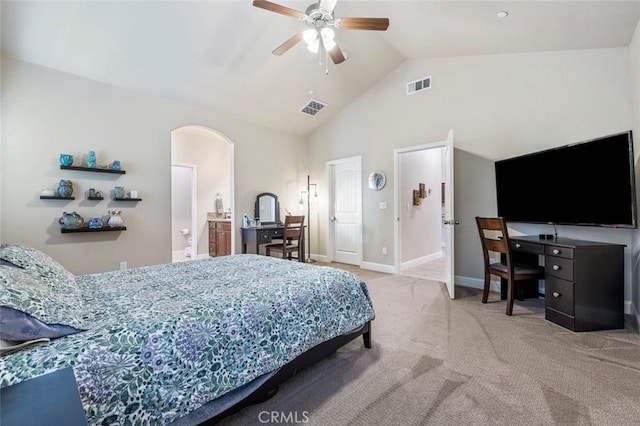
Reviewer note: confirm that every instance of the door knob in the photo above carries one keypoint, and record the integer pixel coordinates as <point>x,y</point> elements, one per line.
<point>332,219</point>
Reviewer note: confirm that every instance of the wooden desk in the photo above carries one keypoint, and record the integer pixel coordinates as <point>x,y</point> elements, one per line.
<point>264,234</point>
<point>584,280</point>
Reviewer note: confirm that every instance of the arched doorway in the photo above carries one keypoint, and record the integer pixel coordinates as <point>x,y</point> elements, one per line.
<point>201,173</point>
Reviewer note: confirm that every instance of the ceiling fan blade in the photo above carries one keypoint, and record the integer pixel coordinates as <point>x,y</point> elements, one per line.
<point>283,10</point>
<point>288,44</point>
<point>376,24</point>
<point>336,55</point>
<point>328,5</point>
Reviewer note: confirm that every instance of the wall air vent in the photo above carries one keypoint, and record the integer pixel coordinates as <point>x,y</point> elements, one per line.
<point>312,108</point>
<point>418,85</point>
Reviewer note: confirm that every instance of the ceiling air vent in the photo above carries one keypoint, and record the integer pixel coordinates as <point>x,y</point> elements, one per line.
<point>312,108</point>
<point>418,85</point>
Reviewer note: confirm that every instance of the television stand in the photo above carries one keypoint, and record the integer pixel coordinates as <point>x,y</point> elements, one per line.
<point>584,280</point>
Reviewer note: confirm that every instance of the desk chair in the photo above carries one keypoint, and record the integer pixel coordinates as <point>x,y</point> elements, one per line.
<point>495,238</point>
<point>292,238</point>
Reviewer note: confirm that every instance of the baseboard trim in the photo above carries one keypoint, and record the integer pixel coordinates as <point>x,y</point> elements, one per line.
<point>476,283</point>
<point>419,261</point>
<point>378,267</point>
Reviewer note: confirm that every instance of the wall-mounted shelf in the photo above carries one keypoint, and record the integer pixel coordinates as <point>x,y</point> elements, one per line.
<point>87,229</point>
<point>93,169</point>
<point>53,197</point>
<point>95,198</point>
<point>127,199</point>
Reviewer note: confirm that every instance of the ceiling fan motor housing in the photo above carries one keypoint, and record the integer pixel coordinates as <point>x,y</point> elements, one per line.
<point>318,18</point>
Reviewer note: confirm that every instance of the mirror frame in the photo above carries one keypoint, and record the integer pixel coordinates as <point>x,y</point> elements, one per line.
<point>256,209</point>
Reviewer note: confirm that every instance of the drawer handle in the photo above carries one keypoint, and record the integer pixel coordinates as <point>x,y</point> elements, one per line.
<point>518,245</point>
<point>556,294</point>
<point>556,251</point>
<point>556,267</point>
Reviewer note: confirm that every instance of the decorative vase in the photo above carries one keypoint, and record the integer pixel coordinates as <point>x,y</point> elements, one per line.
<point>118,192</point>
<point>65,188</point>
<point>70,220</point>
<point>91,160</point>
<point>95,223</point>
<point>115,220</point>
<point>66,159</point>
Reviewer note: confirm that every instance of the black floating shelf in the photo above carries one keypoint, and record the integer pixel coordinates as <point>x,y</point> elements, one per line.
<point>53,197</point>
<point>95,198</point>
<point>127,199</point>
<point>93,169</point>
<point>87,229</point>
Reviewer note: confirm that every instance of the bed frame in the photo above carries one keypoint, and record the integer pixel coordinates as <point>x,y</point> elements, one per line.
<point>313,355</point>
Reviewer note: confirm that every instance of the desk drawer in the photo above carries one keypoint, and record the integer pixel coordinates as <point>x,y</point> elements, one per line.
<point>566,252</point>
<point>519,246</point>
<point>263,236</point>
<point>558,267</point>
<point>559,295</point>
<point>276,233</point>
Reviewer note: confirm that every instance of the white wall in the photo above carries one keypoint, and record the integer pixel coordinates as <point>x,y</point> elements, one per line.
<point>421,229</point>
<point>498,105</point>
<point>634,55</point>
<point>211,154</point>
<point>46,112</point>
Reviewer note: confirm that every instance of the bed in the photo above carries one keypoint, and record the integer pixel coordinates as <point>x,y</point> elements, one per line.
<point>178,343</point>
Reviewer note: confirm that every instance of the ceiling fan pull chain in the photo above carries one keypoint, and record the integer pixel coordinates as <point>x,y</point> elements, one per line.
<point>326,62</point>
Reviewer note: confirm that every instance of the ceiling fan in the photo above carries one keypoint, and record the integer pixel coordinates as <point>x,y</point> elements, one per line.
<point>321,22</point>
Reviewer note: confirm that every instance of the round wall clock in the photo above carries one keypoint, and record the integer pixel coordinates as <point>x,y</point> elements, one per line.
<point>377,180</point>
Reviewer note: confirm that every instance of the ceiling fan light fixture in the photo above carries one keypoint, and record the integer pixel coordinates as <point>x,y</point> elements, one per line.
<point>328,38</point>
<point>314,46</point>
<point>310,35</point>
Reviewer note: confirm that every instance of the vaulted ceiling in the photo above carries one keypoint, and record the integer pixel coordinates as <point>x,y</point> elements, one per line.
<point>217,54</point>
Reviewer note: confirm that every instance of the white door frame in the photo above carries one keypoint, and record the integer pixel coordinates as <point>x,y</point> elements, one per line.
<point>330,205</point>
<point>448,145</point>
<point>194,205</point>
<point>232,182</point>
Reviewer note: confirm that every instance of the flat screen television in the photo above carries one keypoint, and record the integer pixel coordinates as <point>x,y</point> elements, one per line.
<point>588,183</point>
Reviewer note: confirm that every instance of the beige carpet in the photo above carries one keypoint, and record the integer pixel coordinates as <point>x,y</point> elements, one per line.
<point>440,362</point>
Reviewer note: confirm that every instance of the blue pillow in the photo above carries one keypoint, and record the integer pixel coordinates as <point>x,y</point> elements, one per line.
<point>30,308</point>
<point>50,271</point>
<point>18,326</point>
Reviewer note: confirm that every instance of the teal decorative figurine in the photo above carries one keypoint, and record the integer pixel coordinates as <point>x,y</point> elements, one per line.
<point>91,160</point>
<point>66,159</point>
<point>65,188</point>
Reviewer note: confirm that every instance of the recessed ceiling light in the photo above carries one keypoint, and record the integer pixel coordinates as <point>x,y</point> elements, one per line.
<point>502,14</point>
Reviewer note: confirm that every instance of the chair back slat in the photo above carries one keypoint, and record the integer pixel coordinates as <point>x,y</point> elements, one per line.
<point>494,237</point>
<point>293,227</point>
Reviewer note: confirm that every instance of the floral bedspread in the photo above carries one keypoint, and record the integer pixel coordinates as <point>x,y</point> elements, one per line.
<point>164,340</point>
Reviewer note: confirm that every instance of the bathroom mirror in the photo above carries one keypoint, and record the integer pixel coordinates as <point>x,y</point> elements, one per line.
<point>267,208</point>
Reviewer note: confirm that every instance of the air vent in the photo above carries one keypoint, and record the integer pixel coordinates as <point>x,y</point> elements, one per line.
<point>418,85</point>
<point>312,108</point>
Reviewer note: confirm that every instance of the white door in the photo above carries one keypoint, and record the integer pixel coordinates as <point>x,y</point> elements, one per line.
<point>183,211</point>
<point>448,222</point>
<point>345,211</point>
<point>448,218</point>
